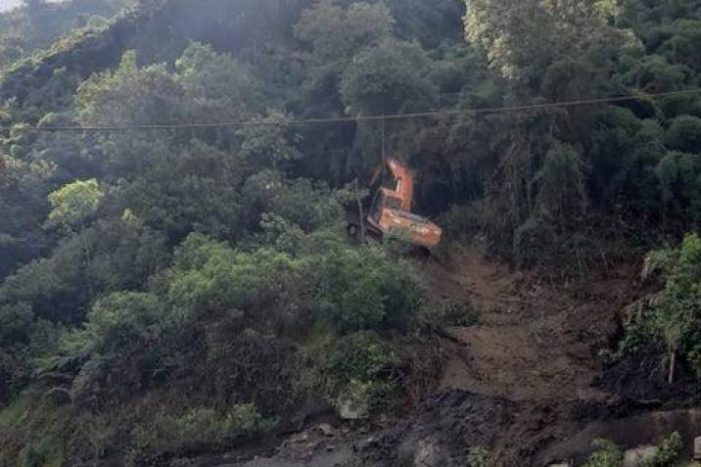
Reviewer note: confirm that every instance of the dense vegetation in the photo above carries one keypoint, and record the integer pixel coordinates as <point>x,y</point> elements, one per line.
<point>167,291</point>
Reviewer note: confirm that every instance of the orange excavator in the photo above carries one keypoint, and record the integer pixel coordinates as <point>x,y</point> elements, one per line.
<point>387,211</point>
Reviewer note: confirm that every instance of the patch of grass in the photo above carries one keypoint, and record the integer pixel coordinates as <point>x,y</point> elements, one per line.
<point>13,413</point>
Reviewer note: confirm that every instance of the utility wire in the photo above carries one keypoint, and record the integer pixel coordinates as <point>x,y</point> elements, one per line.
<point>357,119</point>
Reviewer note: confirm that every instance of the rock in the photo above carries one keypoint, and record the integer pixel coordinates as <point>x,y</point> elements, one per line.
<point>639,456</point>
<point>326,429</point>
<point>426,454</point>
<point>348,410</point>
<point>367,443</point>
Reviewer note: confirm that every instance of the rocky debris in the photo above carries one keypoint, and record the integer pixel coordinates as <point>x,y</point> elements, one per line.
<point>639,457</point>
<point>440,433</point>
<point>326,429</point>
<point>351,410</point>
<point>426,454</point>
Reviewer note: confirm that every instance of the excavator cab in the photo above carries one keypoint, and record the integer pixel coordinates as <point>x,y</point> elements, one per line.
<point>389,211</point>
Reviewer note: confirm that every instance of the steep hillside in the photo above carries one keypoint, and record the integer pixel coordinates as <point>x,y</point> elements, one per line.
<point>178,286</point>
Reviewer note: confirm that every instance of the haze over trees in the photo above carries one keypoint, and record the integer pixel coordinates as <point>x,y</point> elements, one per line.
<point>183,288</point>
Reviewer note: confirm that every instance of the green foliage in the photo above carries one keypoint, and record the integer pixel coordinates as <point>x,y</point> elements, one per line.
<point>335,32</point>
<point>671,317</point>
<point>195,429</point>
<point>462,314</point>
<point>388,78</point>
<point>211,279</point>
<point>36,24</point>
<point>607,454</point>
<point>266,143</point>
<point>74,203</point>
<point>360,289</point>
<point>116,346</point>
<point>667,452</point>
<point>128,95</point>
<point>213,257</point>
<point>684,134</point>
<point>679,175</point>
<point>500,27</point>
<point>478,457</point>
<point>216,87</point>
<point>561,192</point>
<point>358,371</point>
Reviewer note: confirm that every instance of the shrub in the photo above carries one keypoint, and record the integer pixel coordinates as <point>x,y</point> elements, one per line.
<point>670,318</point>
<point>75,202</point>
<point>249,366</point>
<point>461,314</point>
<point>477,457</point>
<point>117,350</point>
<point>360,368</point>
<point>667,452</point>
<point>529,239</point>
<point>196,429</point>
<point>684,134</point>
<point>363,289</point>
<point>607,454</point>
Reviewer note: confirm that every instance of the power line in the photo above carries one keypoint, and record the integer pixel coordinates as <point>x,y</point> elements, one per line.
<point>357,119</point>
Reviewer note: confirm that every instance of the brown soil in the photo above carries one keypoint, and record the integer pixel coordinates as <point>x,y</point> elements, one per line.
<point>534,342</point>
<point>519,384</point>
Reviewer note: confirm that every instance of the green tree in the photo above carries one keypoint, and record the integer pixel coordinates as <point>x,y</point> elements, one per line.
<point>335,33</point>
<point>73,204</point>
<point>268,141</point>
<point>388,78</point>
<point>561,185</point>
<point>607,454</point>
<point>672,317</point>
<point>522,38</point>
<point>121,342</point>
<point>217,87</point>
<point>129,95</point>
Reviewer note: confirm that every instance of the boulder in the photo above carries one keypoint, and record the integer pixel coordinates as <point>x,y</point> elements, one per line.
<point>638,457</point>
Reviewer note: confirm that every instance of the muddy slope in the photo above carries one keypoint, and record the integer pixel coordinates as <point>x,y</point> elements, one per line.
<point>526,383</point>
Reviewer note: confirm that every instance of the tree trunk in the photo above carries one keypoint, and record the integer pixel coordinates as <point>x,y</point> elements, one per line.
<point>360,212</point>
<point>672,362</point>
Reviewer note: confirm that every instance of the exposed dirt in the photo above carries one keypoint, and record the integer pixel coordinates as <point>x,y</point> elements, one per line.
<point>533,353</point>
<point>520,383</point>
<point>534,342</point>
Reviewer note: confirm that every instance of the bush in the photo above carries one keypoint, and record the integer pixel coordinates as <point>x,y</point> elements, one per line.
<point>360,368</point>
<point>529,240</point>
<point>670,321</point>
<point>363,289</point>
<point>451,313</point>
<point>249,366</point>
<point>667,452</point>
<point>684,134</point>
<point>477,457</point>
<point>119,346</point>
<point>607,454</point>
<point>197,429</point>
